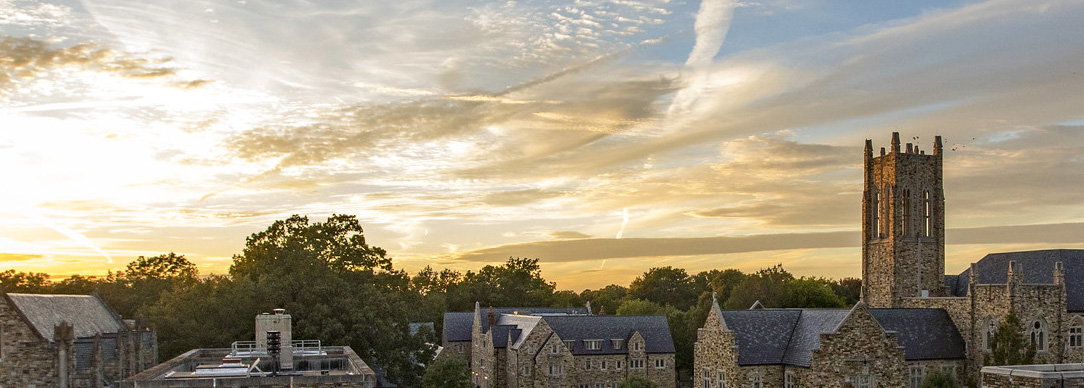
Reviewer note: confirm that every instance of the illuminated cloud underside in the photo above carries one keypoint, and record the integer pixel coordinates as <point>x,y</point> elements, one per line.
<point>708,134</point>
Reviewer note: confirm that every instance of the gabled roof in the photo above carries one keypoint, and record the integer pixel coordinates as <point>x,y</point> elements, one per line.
<point>789,336</point>
<point>87,314</point>
<point>1033,267</point>
<point>924,334</point>
<point>458,325</point>
<point>762,334</point>
<point>653,328</point>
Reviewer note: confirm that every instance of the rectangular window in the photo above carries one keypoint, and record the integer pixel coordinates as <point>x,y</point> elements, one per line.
<point>705,379</point>
<point>790,381</point>
<point>916,376</point>
<point>527,370</point>
<point>603,365</point>
<point>587,364</point>
<point>949,369</point>
<point>720,379</point>
<point>570,344</point>
<point>593,344</point>
<point>636,364</point>
<point>660,363</point>
<point>618,365</point>
<point>1076,335</point>
<point>618,343</point>
<point>553,349</point>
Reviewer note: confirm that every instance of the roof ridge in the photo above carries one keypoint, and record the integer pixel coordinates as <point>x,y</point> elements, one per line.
<point>790,338</point>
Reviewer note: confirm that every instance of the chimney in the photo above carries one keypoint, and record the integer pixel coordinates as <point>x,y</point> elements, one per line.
<point>937,145</point>
<point>1059,273</point>
<point>492,317</point>
<point>895,142</point>
<point>910,148</point>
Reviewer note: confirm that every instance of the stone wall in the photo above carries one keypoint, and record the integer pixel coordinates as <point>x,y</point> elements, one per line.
<point>26,359</point>
<point>903,254</point>
<point>715,353</point>
<point>859,348</point>
<point>1034,376</point>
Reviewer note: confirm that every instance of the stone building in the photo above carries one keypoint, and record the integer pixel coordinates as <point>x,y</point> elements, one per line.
<point>564,350</point>
<point>903,275</point>
<point>69,341</point>
<point>1034,376</point>
<point>298,363</point>
<point>456,331</point>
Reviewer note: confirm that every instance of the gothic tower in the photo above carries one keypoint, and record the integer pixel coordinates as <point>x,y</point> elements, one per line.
<point>903,224</point>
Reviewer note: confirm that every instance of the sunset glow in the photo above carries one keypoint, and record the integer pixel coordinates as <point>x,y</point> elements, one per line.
<point>602,137</point>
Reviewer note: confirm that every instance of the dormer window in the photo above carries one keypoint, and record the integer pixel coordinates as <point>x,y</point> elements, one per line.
<point>569,344</point>
<point>593,344</point>
<point>618,342</point>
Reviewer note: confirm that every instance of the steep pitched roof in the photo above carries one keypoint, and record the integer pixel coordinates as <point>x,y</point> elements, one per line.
<point>924,334</point>
<point>653,328</point>
<point>762,334</point>
<point>807,334</point>
<point>458,325</point>
<point>87,314</point>
<point>1035,267</point>
<point>789,336</point>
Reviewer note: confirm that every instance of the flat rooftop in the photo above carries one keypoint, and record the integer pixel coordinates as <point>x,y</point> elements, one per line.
<point>208,367</point>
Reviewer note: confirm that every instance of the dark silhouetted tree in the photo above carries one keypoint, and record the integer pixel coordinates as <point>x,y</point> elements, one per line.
<point>1008,345</point>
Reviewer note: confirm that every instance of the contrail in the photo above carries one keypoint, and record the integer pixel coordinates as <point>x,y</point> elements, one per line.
<point>711,26</point>
<point>71,234</point>
<point>624,222</point>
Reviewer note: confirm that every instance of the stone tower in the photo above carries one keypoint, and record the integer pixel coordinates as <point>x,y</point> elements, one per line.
<point>903,224</point>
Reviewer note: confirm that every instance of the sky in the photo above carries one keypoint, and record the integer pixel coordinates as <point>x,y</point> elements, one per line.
<point>603,137</point>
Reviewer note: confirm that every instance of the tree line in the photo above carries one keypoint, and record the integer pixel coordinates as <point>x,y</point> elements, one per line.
<point>345,292</point>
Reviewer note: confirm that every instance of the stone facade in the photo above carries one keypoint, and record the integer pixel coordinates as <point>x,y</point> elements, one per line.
<point>533,354</point>
<point>59,358</point>
<point>903,224</point>
<point>858,350</point>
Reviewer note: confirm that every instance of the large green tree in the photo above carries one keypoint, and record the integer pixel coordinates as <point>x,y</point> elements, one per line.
<point>666,286</point>
<point>447,372</point>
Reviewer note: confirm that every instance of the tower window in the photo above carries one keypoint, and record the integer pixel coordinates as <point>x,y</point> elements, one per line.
<point>926,211</point>
<point>907,213</point>
<point>874,213</point>
<point>1076,334</point>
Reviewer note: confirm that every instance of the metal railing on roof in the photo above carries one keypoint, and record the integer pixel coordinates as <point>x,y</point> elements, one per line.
<point>296,346</point>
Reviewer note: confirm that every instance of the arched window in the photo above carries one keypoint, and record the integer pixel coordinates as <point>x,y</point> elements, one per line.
<point>1038,335</point>
<point>907,227</point>
<point>927,209</point>
<point>874,214</point>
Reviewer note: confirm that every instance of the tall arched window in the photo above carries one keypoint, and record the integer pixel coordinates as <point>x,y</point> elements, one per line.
<point>927,213</point>
<point>874,214</point>
<point>907,227</point>
<point>989,327</point>
<point>1038,335</point>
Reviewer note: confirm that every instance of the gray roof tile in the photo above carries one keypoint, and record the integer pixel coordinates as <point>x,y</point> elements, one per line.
<point>87,314</point>
<point>924,334</point>
<point>1036,267</point>
<point>789,336</point>
<point>457,325</point>
<point>653,328</point>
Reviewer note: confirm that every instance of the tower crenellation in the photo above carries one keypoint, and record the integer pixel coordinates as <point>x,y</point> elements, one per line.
<point>903,222</point>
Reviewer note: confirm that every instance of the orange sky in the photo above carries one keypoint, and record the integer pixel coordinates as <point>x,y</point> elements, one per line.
<point>603,138</point>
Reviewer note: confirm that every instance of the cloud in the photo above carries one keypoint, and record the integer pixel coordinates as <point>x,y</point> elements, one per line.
<point>9,257</point>
<point>568,235</point>
<point>600,249</point>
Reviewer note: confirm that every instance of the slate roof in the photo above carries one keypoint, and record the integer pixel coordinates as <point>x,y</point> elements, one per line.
<point>925,334</point>
<point>653,328</point>
<point>1035,267</point>
<point>789,336</point>
<point>457,325</point>
<point>762,334</point>
<point>87,314</point>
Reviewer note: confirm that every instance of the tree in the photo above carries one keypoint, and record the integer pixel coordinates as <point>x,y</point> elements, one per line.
<point>637,382</point>
<point>809,293</point>
<point>849,289</point>
<point>30,282</point>
<point>1008,345</point>
<point>768,285</point>
<point>447,372</point>
<point>722,283</point>
<point>666,286</point>
<point>606,299</point>
<point>938,378</point>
